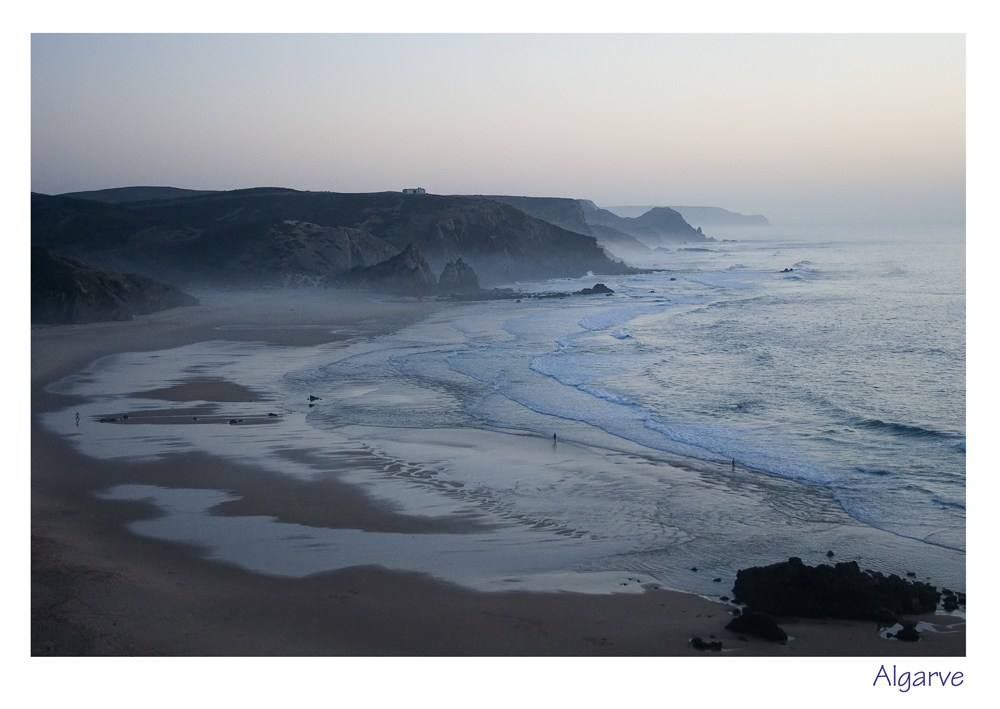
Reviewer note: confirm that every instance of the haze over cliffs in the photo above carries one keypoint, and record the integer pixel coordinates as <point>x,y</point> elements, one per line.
<point>387,241</point>
<point>621,236</point>
<point>705,217</point>
<point>282,235</point>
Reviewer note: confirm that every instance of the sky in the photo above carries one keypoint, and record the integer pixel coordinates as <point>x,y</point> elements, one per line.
<point>798,127</point>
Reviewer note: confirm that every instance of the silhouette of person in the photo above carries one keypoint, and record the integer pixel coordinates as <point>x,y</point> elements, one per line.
<point>734,465</point>
<point>554,439</point>
<point>77,418</point>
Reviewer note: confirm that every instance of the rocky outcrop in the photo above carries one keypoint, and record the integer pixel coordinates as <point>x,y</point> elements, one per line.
<point>711,646</point>
<point>596,289</point>
<point>907,633</point>
<point>458,277</point>
<point>406,273</point>
<point>791,588</point>
<point>67,291</point>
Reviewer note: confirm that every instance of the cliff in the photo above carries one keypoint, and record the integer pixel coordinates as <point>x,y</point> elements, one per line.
<point>67,291</point>
<point>286,234</point>
<point>571,214</point>
<point>656,227</point>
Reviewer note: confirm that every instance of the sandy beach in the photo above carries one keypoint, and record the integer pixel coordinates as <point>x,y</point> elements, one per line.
<point>98,589</point>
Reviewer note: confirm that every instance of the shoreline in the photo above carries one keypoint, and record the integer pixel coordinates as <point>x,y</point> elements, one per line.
<point>98,589</point>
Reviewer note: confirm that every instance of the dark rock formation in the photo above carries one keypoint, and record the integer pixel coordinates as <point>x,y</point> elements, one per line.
<point>908,633</point>
<point>404,274</point>
<point>759,624</point>
<point>699,644</point>
<point>66,291</point>
<point>596,289</point>
<point>950,601</point>
<point>458,277</point>
<point>791,588</point>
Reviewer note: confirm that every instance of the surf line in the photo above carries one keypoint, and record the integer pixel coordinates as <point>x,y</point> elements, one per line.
<point>920,678</point>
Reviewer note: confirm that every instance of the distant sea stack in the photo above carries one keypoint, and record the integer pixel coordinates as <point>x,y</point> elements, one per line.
<point>715,216</point>
<point>66,291</point>
<point>458,277</point>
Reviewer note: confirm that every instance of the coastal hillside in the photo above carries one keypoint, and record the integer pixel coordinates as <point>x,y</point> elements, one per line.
<point>659,226</point>
<point>406,273</point>
<point>282,233</point>
<point>67,291</point>
<point>123,195</point>
<point>571,214</point>
<point>279,253</point>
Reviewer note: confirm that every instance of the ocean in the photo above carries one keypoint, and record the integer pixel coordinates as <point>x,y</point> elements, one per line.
<point>783,391</point>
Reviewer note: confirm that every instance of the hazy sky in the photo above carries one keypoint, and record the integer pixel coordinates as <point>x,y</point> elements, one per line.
<point>795,127</point>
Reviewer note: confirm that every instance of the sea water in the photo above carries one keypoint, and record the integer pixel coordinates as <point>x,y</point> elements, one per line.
<point>845,371</point>
<point>776,393</point>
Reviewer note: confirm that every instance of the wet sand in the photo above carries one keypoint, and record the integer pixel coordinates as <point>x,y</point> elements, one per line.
<point>99,590</point>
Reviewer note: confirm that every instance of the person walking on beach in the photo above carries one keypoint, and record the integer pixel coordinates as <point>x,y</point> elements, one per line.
<point>554,438</point>
<point>734,465</point>
<point>77,418</point>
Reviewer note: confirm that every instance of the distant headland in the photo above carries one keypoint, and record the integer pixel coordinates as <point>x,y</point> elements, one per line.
<point>389,241</point>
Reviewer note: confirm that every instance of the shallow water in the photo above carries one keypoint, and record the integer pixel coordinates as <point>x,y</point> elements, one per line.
<point>838,388</point>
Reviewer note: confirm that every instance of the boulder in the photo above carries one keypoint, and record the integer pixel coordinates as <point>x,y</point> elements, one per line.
<point>950,602</point>
<point>908,633</point>
<point>713,646</point>
<point>759,624</point>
